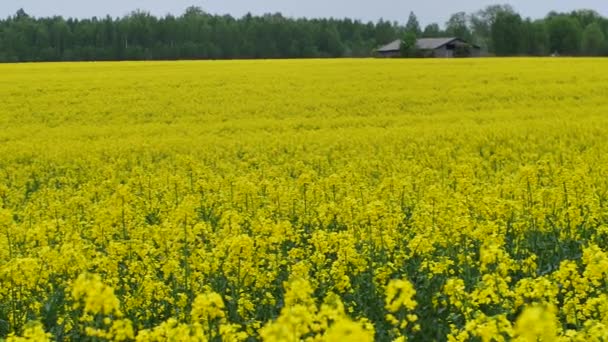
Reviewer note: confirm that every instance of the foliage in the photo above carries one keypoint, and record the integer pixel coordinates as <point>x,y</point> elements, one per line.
<point>505,27</point>
<point>412,25</point>
<point>534,38</point>
<point>594,41</point>
<point>193,35</point>
<point>458,26</point>
<point>564,34</point>
<point>421,200</point>
<point>199,35</point>
<point>482,21</point>
<point>408,45</point>
<point>432,31</point>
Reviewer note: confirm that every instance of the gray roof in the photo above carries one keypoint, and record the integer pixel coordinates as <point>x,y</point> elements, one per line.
<point>433,43</point>
<point>392,46</point>
<point>421,44</point>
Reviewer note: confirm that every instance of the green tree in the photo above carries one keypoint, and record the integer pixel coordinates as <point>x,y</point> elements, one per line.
<point>330,43</point>
<point>408,45</point>
<point>535,41</point>
<point>197,34</point>
<point>506,34</point>
<point>384,32</point>
<point>413,25</point>
<point>586,17</point>
<point>457,26</point>
<point>594,40</point>
<point>564,34</point>
<point>482,21</point>
<point>432,31</point>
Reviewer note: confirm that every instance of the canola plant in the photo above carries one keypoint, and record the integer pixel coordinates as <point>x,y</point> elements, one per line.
<point>319,200</point>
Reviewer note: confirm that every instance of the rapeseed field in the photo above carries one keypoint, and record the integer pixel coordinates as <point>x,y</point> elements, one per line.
<point>319,200</point>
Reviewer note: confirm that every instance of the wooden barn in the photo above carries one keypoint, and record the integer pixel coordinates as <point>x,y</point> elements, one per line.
<point>433,47</point>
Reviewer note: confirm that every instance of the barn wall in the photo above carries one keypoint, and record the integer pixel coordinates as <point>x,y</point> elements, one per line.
<point>443,52</point>
<point>389,54</point>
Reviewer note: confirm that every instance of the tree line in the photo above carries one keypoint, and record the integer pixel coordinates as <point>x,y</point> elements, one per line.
<point>195,34</point>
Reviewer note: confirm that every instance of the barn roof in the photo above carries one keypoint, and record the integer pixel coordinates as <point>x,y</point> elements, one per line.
<point>421,44</point>
<point>392,46</point>
<point>433,43</point>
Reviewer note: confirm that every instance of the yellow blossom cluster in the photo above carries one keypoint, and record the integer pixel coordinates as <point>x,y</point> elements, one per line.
<point>317,200</point>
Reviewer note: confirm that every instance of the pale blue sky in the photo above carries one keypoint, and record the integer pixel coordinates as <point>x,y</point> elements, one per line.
<point>427,10</point>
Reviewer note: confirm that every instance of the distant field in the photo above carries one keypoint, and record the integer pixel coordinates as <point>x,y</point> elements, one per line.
<point>337,200</point>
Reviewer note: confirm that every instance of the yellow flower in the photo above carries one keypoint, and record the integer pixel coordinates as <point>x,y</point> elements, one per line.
<point>208,307</point>
<point>34,332</point>
<point>347,330</point>
<point>400,294</point>
<point>96,296</point>
<point>537,323</point>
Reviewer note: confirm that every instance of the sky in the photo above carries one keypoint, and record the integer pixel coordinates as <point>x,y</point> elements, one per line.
<point>428,11</point>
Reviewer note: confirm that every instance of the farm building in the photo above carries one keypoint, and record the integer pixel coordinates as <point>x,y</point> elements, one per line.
<point>433,47</point>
